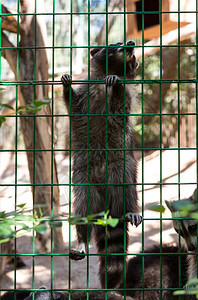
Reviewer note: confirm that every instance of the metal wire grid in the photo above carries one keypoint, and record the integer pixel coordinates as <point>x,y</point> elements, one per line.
<point>143,81</point>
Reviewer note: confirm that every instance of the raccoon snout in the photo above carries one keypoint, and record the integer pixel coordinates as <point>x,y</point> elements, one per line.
<point>191,248</point>
<point>130,43</point>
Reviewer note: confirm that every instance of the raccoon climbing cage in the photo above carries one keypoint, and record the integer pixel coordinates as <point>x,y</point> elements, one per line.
<point>48,37</point>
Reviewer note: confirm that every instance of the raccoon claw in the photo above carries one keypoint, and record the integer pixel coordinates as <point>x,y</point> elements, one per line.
<point>110,80</point>
<point>135,219</point>
<point>66,79</point>
<point>76,255</point>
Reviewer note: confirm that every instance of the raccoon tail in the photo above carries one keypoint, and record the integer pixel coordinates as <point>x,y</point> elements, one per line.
<point>108,241</point>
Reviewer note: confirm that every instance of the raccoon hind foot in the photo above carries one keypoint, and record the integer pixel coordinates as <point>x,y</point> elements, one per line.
<point>66,79</point>
<point>110,80</point>
<point>133,218</point>
<point>76,255</point>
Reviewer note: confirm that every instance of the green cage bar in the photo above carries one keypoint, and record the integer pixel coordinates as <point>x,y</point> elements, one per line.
<point>71,12</point>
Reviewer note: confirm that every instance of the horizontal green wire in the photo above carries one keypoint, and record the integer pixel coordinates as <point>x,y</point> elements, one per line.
<point>91,47</point>
<point>100,13</point>
<point>95,184</point>
<point>104,254</point>
<point>109,149</point>
<point>95,115</point>
<point>137,81</point>
<point>109,289</point>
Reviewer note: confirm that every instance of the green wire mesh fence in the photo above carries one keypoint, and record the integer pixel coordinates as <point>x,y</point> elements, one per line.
<point>40,41</point>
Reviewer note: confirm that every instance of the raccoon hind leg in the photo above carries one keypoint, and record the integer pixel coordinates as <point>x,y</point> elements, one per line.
<point>80,208</point>
<point>111,267</point>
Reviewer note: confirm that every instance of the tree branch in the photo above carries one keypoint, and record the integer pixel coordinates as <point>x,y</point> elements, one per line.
<point>9,54</point>
<point>115,4</point>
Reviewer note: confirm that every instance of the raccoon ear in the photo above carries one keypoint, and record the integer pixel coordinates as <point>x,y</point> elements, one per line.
<point>194,196</point>
<point>170,206</point>
<point>94,51</point>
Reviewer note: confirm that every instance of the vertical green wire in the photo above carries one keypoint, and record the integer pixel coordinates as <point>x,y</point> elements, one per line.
<point>0,80</point>
<point>70,142</point>
<point>160,87</point>
<point>34,139</point>
<point>124,175</point>
<point>88,124</point>
<point>142,148</point>
<point>16,142</point>
<point>52,139</point>
<point>106,145</point>
<point>178,87</point>
<point>197,104</point>
<point>0,63</point>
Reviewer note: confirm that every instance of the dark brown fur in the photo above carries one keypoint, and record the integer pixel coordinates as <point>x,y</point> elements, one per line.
<point>77,295</point>
<point>101,166</point>
<point>153,272</point>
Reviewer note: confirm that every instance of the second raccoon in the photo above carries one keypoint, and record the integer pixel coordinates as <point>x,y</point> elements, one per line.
<point>187,228</point>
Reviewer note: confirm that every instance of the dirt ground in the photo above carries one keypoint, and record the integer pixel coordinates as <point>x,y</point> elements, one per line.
<point>65,274</point>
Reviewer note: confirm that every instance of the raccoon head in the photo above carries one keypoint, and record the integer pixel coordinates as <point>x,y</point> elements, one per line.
<point>187,228</point>
<point>46,295</point>
<point>118,56</point>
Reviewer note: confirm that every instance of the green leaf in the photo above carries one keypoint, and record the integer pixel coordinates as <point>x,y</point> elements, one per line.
<point>33,110</point>
<point>155,207</point>
<point>54,224</point>
<point>6,105</point>
<point>2,120</point>
<point>41,228</point>
<point>41,102</point>
<point>21,108</point>
<point>2,214</point>
<point>95,216</point>
<point>192,281</point>
<point>179,293</point>
<point>77,220</point>
<point>183,205</point>
<point>2,89</point>
<point>113,222</point>
<point>11,214</point>
<point>21,205</point>
<point>24,218</point>
<point>6,231</point>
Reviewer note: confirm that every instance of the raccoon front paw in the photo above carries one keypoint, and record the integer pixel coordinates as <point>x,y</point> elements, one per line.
<point>66,79</point>
<point>76,255</point>
<point>110,80</point>
<point>133,218</point>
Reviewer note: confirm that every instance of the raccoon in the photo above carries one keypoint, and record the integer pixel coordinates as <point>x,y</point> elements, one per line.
<point>76,295</point>
<point>152,274</point>
<point>100,122</point>
<point>188,230</point>
<point>38,295</point>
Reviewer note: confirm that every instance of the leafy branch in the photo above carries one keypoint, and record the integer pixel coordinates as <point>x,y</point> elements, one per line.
<point>17,223</point>
<point>191,288</point>
<point>98,219</point>
<point>32,108</point>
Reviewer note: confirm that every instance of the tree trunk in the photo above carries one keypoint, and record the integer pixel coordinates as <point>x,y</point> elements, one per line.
<point>36,130</point>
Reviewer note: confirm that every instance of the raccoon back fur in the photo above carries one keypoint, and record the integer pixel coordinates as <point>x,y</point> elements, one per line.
<point>152,274</point>
<point>105,171</point>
